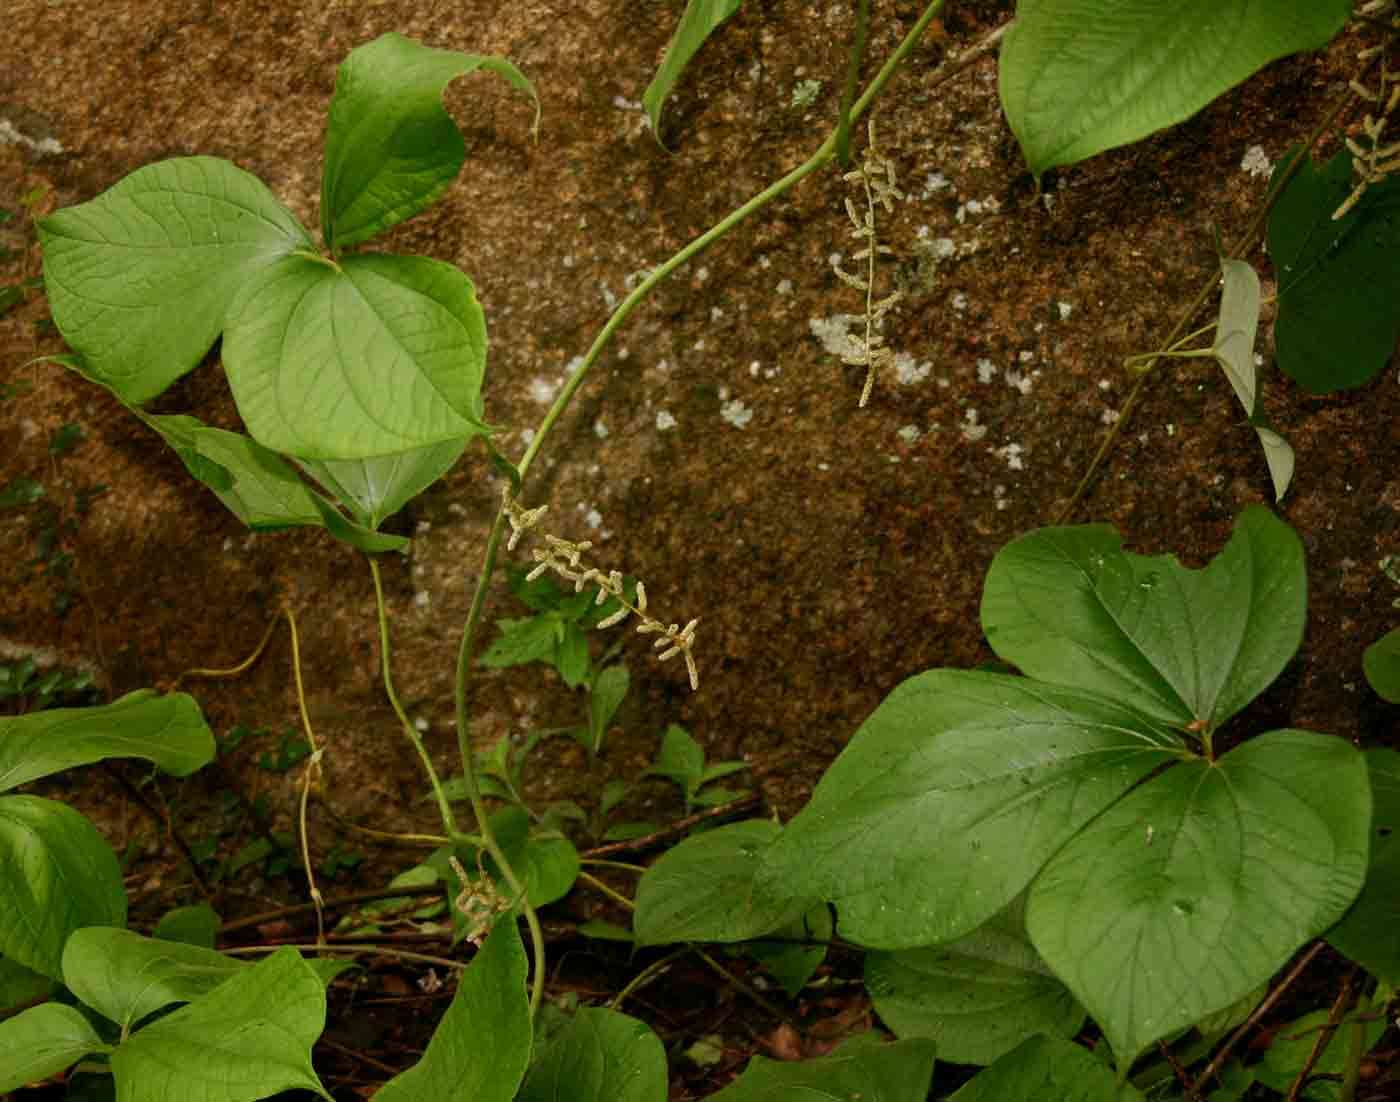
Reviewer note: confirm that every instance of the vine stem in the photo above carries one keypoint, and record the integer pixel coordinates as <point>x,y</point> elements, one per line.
<point>353,950</point>
<point>313,767</point>
<point>821,157</point>
<point>449,821</point>
<point>1241,247</point>
<point>1324,1038</point>
<point>1218,1061</point>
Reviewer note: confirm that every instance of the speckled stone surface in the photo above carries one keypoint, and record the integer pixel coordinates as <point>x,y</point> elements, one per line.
<point>716,451</point>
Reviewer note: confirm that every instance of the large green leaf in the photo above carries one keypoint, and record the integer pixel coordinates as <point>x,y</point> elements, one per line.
<point>125,976</point>
<point>1381,664</point>
<point>168,730</point>
<point>43,1041</point>
<point>257,485</point>
<point>1069,606</point>
<point>599,1056</point>
<point>370,356</point>
<point>1370,932</point>
<point>1045,1068</point>
<point>57,875</point>
<point>1195,888</point>
<point>482,1045</point>
<point>247,1039</point>
<point>19,984</point>
<point>1082,76</point>
<point>1338,281</point>
<point>977,997</point>
<point>140,279</point>
<point>704,889</point>
<point>391,149</point>
<point>862,1069</point>
<point>951,797</point>
<point>194,924</point>
<point>698,22</point>
<point>375,489</point>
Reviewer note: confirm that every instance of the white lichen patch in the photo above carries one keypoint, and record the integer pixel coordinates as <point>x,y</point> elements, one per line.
<point>1012,454</point>
<point>11,135</point>
<point>909,434</point>
<point>1109,416</point>
<point>600,430</point>
<point>1018,381</point>
<point>784,287</point>
<point>986,371</point>
<point>934,182</point>
<point>959,301</point>
<point>664,421</point>
<point>834,333</point>
<point>735,413</point>
<point>1066,309</point>
<point>970,429</point>
<point>1256,162</point>
<point>543,390</point>
<point>908,370</point>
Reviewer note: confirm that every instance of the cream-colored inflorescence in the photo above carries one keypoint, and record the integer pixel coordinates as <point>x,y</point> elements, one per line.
<point>1375,159</point>
<point>877,178</point>
<point>565,558</point>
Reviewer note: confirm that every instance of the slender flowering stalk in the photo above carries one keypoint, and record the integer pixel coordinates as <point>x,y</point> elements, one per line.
<point>877,179</point>
<point>1376,159</point>
<point>565,558</point>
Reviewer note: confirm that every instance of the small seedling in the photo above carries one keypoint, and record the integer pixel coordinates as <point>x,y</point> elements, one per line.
<point>682,759</point>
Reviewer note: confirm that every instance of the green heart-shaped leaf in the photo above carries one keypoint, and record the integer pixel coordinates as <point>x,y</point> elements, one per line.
<point>372,356</point>
<point>599,1056</point>
<point>978,997</point>
<point>1195,888</point>
<point>481,1047</point>
<point>1069,606</point>
<point>1338,280</point>
<point>167,730</point>
<point>704,889</point>
<point>1045,1068</point>
<point>57,875</point>
<point>951,797</point>
<point>140,279</point>
<point>862,1069</point>
<point>125,976</point>
<point>247,1039</point>
<point>41,1042</point>
<point>1370,932</point>
<point>391,149</point>
<point>1082,76</point>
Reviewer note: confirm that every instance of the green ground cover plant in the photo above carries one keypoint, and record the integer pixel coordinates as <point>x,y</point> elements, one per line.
<point>1015,854</point>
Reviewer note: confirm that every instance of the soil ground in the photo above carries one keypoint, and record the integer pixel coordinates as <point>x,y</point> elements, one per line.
<point>717,451</point>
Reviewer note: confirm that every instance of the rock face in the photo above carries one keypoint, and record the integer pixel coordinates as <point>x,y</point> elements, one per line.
<point>716,451</point>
